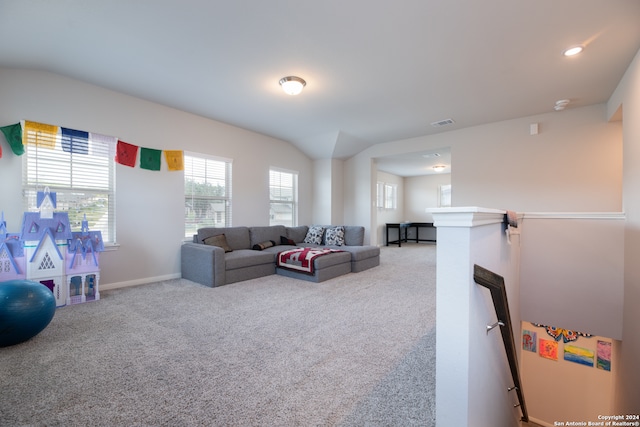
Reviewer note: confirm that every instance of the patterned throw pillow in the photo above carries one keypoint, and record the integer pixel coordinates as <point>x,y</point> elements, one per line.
<point>334,236</point>
<point>314,235</point>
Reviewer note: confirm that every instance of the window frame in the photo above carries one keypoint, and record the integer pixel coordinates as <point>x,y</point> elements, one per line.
<point>80,188</point>
<point>191,227</point>
<point>293,203</point>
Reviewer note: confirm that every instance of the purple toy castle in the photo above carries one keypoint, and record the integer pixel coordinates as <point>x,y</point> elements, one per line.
<point>47,251</point>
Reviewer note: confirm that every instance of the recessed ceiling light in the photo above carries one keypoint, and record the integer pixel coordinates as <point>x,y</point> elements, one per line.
<point>573,50</point>
<point>439,168</point>
<point>431,155</point>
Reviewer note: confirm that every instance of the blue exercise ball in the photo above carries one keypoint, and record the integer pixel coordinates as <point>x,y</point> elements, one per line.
<point>26,308</point>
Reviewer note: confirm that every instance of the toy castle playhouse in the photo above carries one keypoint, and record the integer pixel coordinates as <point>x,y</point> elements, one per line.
<point>47,251</point>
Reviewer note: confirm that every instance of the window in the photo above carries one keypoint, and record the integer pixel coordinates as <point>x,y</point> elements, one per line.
<point>283,197</point>
<point>380,195</point>
<point>390,199</point>
<point>79,168</point>
<point>207,192</point>
<point>445,196</point>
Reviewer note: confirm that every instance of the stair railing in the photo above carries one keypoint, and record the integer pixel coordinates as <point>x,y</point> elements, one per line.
<point>495,284</point>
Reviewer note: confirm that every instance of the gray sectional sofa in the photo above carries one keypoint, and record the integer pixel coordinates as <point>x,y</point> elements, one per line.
<point>251,252</point>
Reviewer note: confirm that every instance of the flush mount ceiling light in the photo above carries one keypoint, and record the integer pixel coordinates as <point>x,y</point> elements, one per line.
<point>561,104</point>
<point>292,85</point>
<point>573,50</point>
<point>439,168</point>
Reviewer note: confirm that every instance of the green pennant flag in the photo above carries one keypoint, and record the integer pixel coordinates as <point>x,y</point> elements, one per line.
<point>150,158</point>
<point>13,134</point>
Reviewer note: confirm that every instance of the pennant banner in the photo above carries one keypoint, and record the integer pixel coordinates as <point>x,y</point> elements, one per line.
<point>40,134</point>
<point>126,153</point>
<point>175,160</point>
<point>75,141</point>
<point>150,159</point>
<point>82,142</point>
<point>13,134</point>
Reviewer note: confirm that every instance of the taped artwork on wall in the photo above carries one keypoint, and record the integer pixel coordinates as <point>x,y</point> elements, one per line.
<point>604,355</point>
<point>579,355</point>
<point>548,349</point>
<point>565,334</point>
<point>529,340</point>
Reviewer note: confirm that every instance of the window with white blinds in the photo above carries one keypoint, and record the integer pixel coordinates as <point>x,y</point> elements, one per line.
<point>283,197</point>
<point>390,196</point>
<point>207,192</point>
<point>80,169</point>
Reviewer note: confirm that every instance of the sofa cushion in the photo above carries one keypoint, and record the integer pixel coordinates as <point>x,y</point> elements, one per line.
<point>297,234</point>
<point>334,236</point>
<point>219,240</point>
<point>314,235</point>
<point>247,258</point>
<point>237,237</point>
<point>353,235</point>
<point>359,253</point>
<point>262,234</point>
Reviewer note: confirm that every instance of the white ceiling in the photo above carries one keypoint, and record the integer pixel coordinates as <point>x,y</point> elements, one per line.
<point>376,71</point>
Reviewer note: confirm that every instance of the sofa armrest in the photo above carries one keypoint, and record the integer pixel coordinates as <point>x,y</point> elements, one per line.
<point>203,264</point>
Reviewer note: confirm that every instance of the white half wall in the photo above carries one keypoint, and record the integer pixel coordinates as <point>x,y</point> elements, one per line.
<point>572,271</point>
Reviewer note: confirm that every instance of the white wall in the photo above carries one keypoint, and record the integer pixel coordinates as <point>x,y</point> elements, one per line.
<point>627,96</point>
<point>149,205</point>
<point>328,190</point>
<point>572,271</point>
<point>573,164</point>
<point>421,193</point>
<point>560,390</point>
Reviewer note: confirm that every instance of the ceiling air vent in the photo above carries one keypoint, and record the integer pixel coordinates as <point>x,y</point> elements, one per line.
<point>440,123</point>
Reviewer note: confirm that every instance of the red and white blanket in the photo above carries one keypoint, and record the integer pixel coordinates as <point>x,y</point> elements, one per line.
<point>301,259</point>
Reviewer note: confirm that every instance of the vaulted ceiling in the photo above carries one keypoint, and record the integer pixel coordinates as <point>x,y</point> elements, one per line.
<point>376,71</point>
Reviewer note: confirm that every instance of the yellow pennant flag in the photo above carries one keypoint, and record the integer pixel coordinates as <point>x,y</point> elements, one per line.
<point>40,134</point>
<point>175,160</point>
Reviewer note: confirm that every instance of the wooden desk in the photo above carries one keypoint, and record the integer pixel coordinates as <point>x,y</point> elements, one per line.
<point>402,228</point>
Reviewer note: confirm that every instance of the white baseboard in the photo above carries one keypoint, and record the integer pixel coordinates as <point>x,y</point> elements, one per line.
<point>139,282</point>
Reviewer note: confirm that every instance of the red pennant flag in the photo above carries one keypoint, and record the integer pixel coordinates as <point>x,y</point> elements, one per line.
<point>126,153</point>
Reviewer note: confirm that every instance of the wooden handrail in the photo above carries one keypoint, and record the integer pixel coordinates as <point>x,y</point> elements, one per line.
<point>495,284</point>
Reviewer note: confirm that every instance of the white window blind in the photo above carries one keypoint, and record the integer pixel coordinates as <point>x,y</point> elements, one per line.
<point>207,192</point>
<point>80,169</point>
<point>380,194</point>
<point>390,198</point>
<point>283,197</point>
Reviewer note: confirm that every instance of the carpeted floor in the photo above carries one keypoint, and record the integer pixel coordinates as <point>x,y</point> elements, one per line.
<point>358,350</point>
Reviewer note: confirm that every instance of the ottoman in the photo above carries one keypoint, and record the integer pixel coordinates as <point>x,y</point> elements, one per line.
<point>326,267</point>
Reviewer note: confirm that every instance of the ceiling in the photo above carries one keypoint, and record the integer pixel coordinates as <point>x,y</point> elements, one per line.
<point>376,71</point>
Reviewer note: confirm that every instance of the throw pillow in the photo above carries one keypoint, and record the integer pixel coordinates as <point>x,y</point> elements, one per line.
<point>314,235</point>
<point>263,245</point>
<point>334,236</point>
<point>219,240</point>
<point>286,241</point>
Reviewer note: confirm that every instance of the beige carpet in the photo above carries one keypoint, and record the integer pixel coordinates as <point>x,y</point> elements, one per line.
<point>353,351</point>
